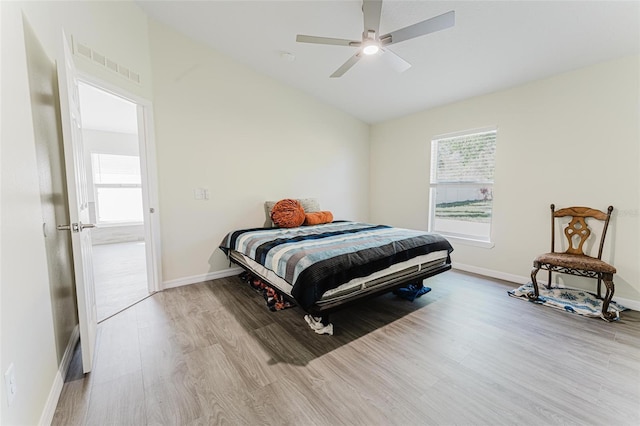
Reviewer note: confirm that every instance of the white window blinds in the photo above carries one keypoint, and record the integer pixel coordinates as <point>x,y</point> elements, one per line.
<point>467,158</point>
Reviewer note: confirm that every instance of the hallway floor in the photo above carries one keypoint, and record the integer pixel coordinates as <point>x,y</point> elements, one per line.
<point>120,276</point>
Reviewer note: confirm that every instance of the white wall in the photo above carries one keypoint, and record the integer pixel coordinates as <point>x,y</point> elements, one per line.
<point>119,30</point>
<point>221,126</point>
<point>572,139</point>
<point>247,139</point>
<point>27,327</point>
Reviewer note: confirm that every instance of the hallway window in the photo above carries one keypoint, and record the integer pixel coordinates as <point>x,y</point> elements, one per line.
<point>118,188</point>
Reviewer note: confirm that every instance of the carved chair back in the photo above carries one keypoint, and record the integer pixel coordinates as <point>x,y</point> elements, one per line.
<point>577,231</point>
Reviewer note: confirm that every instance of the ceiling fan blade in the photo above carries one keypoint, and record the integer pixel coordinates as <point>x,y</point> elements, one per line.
<point>371,9</point>
<point>395,61</point>
<point>347,65</point>
<point>326,40</point>
<point>440,22</point>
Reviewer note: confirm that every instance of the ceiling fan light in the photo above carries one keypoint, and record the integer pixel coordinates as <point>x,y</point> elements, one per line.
<point>371,49</point>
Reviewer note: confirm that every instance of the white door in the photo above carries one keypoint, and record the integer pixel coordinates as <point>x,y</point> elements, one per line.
<point>77,189</point>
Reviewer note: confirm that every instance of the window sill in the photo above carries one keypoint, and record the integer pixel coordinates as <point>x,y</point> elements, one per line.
<point>470,241</point>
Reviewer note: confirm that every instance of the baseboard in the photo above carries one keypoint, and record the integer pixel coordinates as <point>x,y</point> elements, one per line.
<point>201,278</point>
<point>56,389</point>
<point>628,303</point>
<point>519,279</point>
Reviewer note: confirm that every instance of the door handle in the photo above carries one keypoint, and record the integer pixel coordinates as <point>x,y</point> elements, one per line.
<point>86,225</point>
<point>75,227</point>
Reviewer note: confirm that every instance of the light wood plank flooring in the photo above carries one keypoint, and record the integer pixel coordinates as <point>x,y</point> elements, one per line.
<point>465,354</point>
<point>120,275</point>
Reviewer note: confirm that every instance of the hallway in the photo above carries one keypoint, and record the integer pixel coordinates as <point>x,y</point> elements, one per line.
<point>120,276</point>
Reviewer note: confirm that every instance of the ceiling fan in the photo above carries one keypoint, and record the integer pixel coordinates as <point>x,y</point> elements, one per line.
<point>372,43</point>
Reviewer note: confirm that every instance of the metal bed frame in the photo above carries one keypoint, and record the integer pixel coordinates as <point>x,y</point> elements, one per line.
<point>373,288</point>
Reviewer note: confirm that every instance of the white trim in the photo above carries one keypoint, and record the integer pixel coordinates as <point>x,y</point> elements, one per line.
<point>469,132</point>
<point>519,279</point>
<point>56,389</point>
<point>146,137</point>
<point>201,278</point>
<point>469,241</point>
<point>628,303</point>
<point>112,88</point>
<point>147,146</point>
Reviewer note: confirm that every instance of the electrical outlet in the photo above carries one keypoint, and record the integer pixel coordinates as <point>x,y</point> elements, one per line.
<point>10,382</point>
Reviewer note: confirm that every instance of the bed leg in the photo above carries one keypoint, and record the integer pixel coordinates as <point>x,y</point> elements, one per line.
<point>325,319</point>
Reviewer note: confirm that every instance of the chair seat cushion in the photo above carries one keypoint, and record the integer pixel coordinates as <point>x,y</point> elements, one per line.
<point>576,261</point>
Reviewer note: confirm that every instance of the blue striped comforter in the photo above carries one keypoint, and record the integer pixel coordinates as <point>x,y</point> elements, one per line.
<point>314,259</point>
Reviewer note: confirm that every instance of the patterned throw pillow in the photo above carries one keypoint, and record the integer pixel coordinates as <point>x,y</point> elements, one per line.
<point>287,213</point>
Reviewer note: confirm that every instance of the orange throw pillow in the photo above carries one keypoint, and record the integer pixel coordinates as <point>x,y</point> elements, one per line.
<point>287,213</point>
<point>318,218</point>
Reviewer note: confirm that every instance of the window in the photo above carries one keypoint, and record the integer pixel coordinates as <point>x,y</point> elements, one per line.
<point>461,189</point>
<point>118,188</point>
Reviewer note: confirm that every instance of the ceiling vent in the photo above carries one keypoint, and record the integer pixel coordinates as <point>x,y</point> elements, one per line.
<point>86,52</point>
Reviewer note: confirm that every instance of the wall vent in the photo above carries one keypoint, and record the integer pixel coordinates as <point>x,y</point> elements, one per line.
<point>134,76</point>
<point>83,51</point>
<point>99,58</point>
<point>112,65</point>
<point>86,52</point>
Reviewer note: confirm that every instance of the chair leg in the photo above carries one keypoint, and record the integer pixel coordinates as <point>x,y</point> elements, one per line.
<point>534,281</point>
<point>606,315</point>
<point>599,288</point>
<point>550,281</point>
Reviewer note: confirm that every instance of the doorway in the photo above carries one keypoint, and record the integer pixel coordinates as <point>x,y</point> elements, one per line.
<point>115,148</point>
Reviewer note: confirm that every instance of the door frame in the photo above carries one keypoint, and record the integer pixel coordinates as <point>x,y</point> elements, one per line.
<point>148,168</point>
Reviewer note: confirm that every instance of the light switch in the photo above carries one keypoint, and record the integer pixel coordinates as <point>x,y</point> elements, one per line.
<point>201,194</point>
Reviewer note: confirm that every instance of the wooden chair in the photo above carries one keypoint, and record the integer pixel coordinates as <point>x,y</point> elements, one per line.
<point>573,261</point>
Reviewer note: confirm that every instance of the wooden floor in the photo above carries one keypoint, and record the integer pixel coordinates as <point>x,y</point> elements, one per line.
<point>465,353</point>
<point>120,275</point>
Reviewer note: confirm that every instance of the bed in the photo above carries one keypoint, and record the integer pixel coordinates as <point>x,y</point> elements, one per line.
<point>329,266</point>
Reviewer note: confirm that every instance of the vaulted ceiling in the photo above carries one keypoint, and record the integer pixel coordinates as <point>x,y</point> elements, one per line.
<point>493,45</point>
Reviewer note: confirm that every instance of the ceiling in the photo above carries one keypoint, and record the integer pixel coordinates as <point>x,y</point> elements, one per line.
<point>493,45</point>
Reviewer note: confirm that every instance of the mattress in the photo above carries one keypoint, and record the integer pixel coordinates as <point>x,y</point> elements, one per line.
<point>398,272</point>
